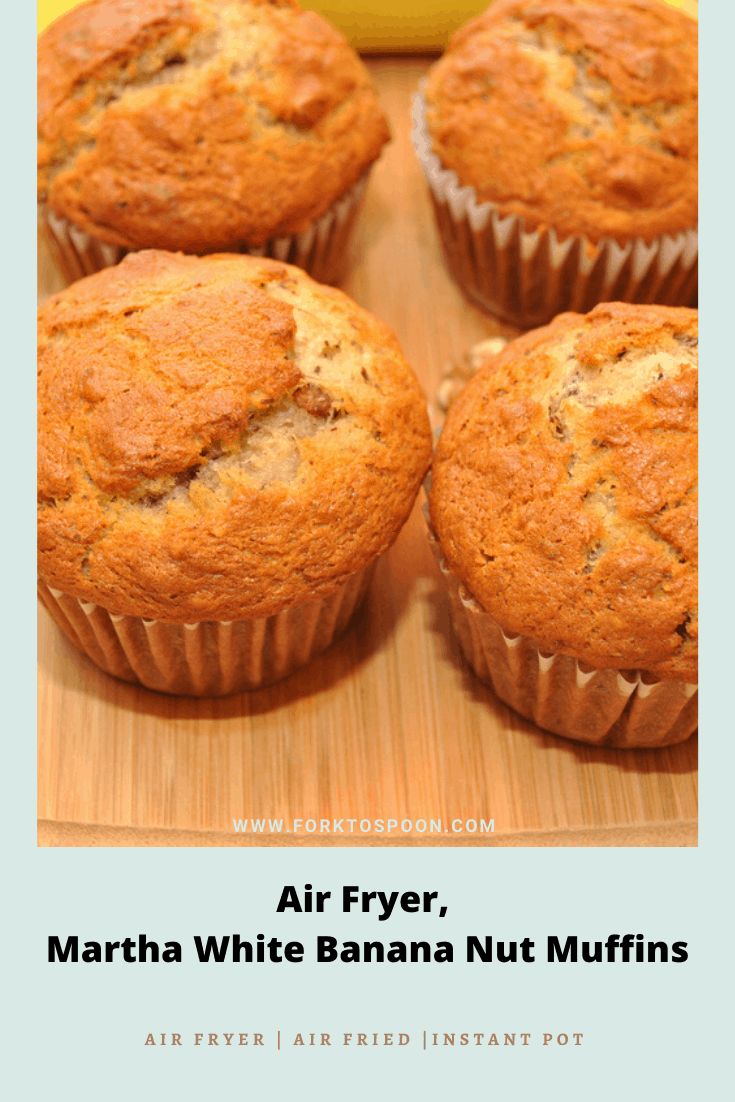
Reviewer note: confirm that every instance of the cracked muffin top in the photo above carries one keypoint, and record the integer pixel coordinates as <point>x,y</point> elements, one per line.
<point>565,488</point>
<point>219,438</point>
<point>199,124</point>
<point>575,114</point>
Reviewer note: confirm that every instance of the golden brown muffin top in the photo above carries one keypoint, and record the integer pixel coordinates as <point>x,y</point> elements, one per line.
<point>565,488</point>
<point>219,438</point>
<point>575,114</point>
<point>199,124</point>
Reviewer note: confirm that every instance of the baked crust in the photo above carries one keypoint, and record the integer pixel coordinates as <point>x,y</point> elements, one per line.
<point>219,438</point>
<point>564,488</point>
<point>579,115</point>
<point>199,124</point>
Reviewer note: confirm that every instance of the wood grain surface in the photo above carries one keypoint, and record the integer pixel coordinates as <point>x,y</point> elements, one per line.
<point>389,723</point>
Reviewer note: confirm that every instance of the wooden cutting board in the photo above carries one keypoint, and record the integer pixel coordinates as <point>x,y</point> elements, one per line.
<point>387,724</point>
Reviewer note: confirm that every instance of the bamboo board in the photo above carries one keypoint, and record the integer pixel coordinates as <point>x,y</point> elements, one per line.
<point>387,724</point>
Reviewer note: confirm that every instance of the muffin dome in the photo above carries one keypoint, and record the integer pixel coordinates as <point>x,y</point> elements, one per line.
<point>220,438</point>
<point>565,488</point>
<point>575,114</point>
<point>196,124</point>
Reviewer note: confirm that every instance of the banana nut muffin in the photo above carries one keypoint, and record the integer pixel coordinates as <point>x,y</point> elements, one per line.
<point>574,115</point>
<point>564,499</point>
<point>220,439</point>
<point>200,125</point>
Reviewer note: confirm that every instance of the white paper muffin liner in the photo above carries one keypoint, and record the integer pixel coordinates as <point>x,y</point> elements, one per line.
<point>602,707</point>
<point>208,658</point>
<point>526,277</point>
<point>320,250</point>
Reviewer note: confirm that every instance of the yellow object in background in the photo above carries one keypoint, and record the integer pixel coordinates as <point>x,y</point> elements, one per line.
<point>377,26</point>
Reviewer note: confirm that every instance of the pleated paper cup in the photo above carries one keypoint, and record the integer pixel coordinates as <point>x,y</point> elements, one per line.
<point>321,250</point>
<point>208,658</point>
<point>601,707</point>
<point>526,277</point>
